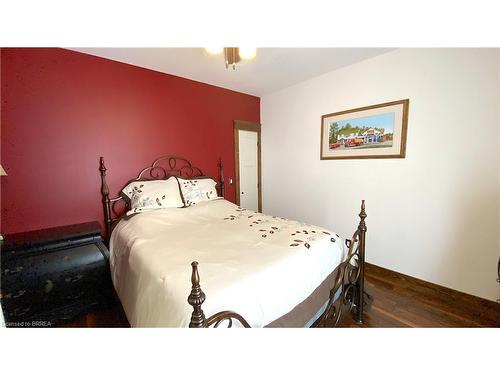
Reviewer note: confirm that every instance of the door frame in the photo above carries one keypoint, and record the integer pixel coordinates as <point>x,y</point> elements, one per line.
<point>252,127</point>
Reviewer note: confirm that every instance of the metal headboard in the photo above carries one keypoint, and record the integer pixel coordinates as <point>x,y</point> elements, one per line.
<point>161,169</point>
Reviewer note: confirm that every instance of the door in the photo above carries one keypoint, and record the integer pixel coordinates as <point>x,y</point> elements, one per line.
<point>247,153</point>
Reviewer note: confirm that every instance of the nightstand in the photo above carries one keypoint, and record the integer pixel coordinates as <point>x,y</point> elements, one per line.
<point>53,274</point>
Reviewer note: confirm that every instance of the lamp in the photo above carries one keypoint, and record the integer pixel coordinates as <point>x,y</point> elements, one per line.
<point>247,53</point>
<point>214,50</point>
<point>2,173</point>
<point>233,55</point>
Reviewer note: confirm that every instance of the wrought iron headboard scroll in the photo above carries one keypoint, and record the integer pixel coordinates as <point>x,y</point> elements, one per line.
<point>161,169</point>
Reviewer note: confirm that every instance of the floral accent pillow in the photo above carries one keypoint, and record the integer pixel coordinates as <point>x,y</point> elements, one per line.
<point>153,195</point>
<point>197,190</point>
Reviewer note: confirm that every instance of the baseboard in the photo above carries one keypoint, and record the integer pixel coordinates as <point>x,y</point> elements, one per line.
<point>438,289</point>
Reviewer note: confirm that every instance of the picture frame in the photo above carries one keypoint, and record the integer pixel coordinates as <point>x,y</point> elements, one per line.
<point>372,132</point>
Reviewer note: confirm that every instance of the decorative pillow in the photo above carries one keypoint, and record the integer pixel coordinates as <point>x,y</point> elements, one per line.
<point>152,195</point>
<point>197,190</point>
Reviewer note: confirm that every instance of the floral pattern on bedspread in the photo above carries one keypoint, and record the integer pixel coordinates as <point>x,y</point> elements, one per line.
<point>266,226</point>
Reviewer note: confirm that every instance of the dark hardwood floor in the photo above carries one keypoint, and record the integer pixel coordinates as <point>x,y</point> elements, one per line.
<point>403,301</point>
<point>111,317</point>
<point>397,301</point>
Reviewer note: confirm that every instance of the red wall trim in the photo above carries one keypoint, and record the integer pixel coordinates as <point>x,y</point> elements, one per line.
<point>61,110</point>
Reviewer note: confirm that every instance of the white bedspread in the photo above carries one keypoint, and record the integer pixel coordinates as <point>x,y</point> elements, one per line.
<point>256,265</point>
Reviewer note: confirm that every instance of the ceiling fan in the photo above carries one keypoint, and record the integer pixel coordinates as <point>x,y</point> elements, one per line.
<point>233,55</point>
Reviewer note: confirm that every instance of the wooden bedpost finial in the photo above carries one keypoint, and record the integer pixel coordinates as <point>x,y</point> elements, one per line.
<point>104,185</point>
<point>362,216</point>
<point>105,198</point>
<point>196,299</point>
<point>102,167</point>
<point>221,178</point>
<point>361,262</point>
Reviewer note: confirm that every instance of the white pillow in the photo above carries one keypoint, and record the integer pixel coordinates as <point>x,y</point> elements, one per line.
<point>153,195</point>
<point>197,190</point>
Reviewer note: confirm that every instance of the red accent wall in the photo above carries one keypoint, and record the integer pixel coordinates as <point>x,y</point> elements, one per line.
<point>61,110</point>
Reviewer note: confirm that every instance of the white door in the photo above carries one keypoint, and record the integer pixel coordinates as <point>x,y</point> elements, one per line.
<point>248,169</point>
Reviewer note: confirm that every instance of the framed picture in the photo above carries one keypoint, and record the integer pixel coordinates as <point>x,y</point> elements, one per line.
<point>377,131</point>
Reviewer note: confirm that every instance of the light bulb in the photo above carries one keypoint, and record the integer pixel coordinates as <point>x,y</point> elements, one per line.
<point>247,52</point>
<point>214,50</point>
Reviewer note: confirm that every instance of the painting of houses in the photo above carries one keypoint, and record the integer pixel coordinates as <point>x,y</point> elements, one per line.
<point>372,135</point>
<point>376,131</point>
<point>362,132</point>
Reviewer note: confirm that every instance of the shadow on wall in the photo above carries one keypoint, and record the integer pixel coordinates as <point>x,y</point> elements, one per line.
<point>467,253</point>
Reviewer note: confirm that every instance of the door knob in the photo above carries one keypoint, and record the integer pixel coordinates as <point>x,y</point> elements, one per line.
<point>242,192</point>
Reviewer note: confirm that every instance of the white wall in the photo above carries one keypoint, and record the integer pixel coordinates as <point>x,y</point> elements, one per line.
<point>498,188</point>
<point>433,215</point>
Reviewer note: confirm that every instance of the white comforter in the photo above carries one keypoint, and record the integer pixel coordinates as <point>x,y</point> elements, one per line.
<point>256,265</point>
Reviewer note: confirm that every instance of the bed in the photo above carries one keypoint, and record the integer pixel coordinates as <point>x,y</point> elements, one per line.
<point>258,270</point>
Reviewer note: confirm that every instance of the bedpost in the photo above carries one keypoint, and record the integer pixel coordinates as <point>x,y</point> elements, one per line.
<point>361,280</point>
<point>221,178</point>
<point>196,299</point>
<point>105,198</point>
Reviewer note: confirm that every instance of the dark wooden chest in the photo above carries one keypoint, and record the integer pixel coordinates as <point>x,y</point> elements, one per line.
<point>53,274</point>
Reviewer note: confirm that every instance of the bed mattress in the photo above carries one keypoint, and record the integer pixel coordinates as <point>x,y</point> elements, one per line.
<point>263,267</point>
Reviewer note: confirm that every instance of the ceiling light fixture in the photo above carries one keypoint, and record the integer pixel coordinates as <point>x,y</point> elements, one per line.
<point>247,53</point>
<point>233,55</point>
<point>214,50</point>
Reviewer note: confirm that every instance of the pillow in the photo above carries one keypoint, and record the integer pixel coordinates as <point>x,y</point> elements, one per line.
<point>152,195</point>
<point>197,190</point>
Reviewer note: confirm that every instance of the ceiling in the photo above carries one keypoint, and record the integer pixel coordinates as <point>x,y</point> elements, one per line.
<point>273,68</point>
